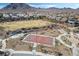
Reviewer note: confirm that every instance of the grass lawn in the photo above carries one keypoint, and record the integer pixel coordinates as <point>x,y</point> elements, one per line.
<point>24,24</point>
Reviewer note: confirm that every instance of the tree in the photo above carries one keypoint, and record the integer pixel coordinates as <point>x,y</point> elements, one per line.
<point>1,15</point>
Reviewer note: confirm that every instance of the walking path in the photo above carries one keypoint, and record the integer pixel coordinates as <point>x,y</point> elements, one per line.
<point>34,49</point>
<point>33,52</point>
<point>3,44</point>
<point>29,53</point>
<point>75,49</point>
<point>59,38</point>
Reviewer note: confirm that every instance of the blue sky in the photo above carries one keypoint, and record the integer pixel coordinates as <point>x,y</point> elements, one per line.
<point>47,5</point>
<point>2,5</point>
<point>57,5</point>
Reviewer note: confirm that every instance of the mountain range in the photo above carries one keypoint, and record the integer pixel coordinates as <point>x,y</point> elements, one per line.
<point>25,6</point>
<point>18,6</point>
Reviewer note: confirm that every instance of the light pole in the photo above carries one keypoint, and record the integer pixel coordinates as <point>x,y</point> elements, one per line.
<point>34,49</point>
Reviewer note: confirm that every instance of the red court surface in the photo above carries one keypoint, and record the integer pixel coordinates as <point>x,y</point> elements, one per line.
<point>39,39</point>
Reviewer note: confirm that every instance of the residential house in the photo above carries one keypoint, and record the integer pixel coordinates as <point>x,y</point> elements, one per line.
<point>73,22</point>
<point>6,15</point>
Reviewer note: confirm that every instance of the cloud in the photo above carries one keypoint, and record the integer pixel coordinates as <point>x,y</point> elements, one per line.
<point>43,5</point>
<point>47,6</point>
<point>57,5</point>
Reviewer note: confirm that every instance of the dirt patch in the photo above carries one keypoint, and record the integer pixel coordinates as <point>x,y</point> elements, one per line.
<point>18,45</point>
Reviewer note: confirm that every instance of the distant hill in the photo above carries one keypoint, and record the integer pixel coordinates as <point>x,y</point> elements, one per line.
<point>17,6</point>
<point>60,8</point>
<point>53,8</point>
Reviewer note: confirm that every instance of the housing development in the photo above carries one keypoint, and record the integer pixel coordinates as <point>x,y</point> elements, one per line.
<point>30,31</point>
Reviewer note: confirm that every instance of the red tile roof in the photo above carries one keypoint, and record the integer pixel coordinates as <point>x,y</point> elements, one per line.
<point>39,39</point>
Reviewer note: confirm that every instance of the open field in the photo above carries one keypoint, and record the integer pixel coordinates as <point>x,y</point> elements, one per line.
<point>24,24</point>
